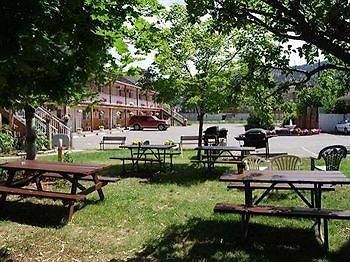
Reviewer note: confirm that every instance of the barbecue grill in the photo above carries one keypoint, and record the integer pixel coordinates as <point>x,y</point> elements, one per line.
<point>256,137</point>
<point>215,136</point>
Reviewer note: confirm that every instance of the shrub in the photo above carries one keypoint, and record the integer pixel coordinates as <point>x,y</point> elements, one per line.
<point>67,157</point>
<point>6,142</point>
<point>262,119</point>
<point>41,142</point>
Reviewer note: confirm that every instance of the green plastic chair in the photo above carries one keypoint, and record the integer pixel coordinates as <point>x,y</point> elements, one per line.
<point>254,163</point>
<point>285,162</point>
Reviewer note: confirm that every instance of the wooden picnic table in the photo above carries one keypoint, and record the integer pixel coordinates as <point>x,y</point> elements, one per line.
<point>319,180</point>
<point>149,153</point>
<point>22,173</point>
<point>224,154</point>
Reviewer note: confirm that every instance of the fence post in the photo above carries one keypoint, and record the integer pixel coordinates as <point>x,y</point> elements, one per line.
<point>60,150</point>
<point>48,133</point>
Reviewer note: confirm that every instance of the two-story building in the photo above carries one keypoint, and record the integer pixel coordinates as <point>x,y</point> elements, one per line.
<point>112,106</point>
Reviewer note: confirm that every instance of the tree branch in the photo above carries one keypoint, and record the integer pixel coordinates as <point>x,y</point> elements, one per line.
<point>308,75</point>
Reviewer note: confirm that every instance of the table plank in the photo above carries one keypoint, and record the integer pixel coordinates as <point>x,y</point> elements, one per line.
<point>148,146</point>
<point>301,177</point>
<point>54,167</point>
<point>226,148</point>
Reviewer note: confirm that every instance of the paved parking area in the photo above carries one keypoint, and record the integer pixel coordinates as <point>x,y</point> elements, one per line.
<point>303,146</point>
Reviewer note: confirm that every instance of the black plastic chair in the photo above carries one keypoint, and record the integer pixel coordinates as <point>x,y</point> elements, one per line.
<point>332,156</point>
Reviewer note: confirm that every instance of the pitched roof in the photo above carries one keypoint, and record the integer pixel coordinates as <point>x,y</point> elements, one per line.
<point>129,80</point>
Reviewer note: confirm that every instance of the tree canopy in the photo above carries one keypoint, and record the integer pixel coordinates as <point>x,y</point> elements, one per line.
<point>49,50</point>
<point>323,25</point>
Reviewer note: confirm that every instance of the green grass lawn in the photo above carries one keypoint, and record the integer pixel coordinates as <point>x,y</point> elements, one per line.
<point>169,220</point>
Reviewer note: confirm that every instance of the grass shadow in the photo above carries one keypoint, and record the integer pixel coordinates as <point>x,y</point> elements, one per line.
<point>40,214</point>
<point>181,174</point>
<point>220,241</point>
<point>342,254</point>
<point>34,214</point>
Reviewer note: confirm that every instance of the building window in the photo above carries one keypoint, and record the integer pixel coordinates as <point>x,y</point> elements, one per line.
<point>121,93</point>
<point>130,94</point>
<point>85,115</point>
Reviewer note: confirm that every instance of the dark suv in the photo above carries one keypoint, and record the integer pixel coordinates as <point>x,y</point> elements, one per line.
<point>140,122</point>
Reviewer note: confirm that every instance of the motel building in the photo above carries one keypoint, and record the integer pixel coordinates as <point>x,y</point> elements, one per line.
<point>114,105</point>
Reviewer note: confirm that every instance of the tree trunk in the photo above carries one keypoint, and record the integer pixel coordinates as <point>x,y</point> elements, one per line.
<point>30,146</point>
<point>200,132</point>
<point>11,120</point>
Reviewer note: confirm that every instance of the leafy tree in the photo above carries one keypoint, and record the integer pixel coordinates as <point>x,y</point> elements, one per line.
<point>332,84</point>
<point>193,64</point>
<point>50,50</point>
<point>322,25</point>
<point>206,70</point>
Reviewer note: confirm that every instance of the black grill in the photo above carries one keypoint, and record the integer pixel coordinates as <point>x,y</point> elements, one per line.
<point>215,136</point>
<point>256,137</point>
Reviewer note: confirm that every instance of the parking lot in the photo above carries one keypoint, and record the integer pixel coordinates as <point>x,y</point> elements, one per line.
<point>303,146</point>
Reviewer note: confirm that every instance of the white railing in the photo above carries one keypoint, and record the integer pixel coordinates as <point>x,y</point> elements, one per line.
<point>131,102</point>
<point>178,117</point>
<point>56,125</point>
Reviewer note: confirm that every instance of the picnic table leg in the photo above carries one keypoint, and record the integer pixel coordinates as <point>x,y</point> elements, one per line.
<point>71,203</point>
<point>240,168</point>
<point>11,175</point>
<point>323,236</point>
<point>164,165</point>
<point>99,191</point>
<point>248,199</point>
<point>38,183</point>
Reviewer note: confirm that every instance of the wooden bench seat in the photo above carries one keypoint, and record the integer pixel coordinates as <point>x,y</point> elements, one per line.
<point>288,212</point>
<point>279,186</point>
<point>134,160</point>
<point>223,161</point>
<point>107,179</point>
<point>282,211</point>
<point>42,194</point>
<point>263,154</point>
<point>144,159</point>
<point>112,140</point>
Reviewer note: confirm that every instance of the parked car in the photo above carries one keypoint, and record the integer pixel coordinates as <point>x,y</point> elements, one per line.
<point>343,127</point>
<point>140,122</point>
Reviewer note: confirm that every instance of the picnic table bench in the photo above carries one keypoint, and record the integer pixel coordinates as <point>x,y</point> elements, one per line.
<point>318,181</point>
<point>112,140</point>
<point>223,155</point>
<point>190,140</point>
<point>34,172</point>
<point>147,153</point>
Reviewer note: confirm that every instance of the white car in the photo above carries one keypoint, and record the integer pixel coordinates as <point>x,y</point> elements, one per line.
<point>343,127</point>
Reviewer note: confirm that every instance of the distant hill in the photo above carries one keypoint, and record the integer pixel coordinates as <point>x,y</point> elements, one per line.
<point>282,77</point>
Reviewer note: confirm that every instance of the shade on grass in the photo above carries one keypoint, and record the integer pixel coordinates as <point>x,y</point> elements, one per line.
<point>169,220</point>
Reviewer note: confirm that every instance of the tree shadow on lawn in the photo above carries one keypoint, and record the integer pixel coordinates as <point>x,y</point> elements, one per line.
<point>39,214</point>
<point>343,254</point>
<point>182,174</point>
<point>221,241</point>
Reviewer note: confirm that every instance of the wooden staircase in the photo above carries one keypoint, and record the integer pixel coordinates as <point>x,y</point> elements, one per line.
<point>175,115</point>
<point>19,123</point>
<point>41,114</point>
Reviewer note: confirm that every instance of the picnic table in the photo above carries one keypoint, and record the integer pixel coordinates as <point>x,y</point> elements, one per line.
<point>295,179</point>
<point>149,153</point>
<point>24,172</point>
<point>223,154</point>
